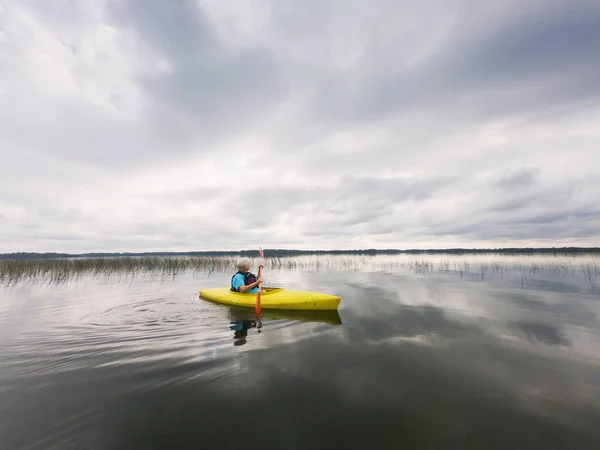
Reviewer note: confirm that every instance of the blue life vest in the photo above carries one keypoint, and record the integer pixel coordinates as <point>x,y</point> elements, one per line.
<point>249,278</point>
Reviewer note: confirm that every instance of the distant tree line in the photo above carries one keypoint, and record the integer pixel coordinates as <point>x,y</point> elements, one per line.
<point>288,252</point>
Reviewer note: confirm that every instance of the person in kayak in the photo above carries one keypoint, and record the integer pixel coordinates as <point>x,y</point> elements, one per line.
<point>243,280</point>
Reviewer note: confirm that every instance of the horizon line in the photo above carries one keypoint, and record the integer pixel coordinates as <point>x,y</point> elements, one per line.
<point>574,249</point>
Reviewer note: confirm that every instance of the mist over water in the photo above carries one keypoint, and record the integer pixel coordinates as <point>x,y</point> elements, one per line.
<point>503,355</point>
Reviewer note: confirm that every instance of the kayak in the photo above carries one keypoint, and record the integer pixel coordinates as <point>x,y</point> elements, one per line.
<point>274,298</point>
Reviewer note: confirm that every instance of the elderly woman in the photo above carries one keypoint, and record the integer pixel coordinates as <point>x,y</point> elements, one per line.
<point>243,281</point>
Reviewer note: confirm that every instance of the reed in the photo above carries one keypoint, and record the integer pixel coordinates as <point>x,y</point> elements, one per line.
<point>590,272</point>
<point>60,270</point>
<point>64,269</point>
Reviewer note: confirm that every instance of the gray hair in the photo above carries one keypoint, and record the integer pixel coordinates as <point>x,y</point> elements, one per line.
<point>239,265</point>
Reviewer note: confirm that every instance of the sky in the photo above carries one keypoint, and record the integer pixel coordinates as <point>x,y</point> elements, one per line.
<point>147,125</point>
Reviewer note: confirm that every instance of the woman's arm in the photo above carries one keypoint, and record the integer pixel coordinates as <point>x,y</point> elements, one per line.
<point>245,288</point>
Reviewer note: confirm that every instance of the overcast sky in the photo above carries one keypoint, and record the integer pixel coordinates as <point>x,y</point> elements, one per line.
<point>210,125</point>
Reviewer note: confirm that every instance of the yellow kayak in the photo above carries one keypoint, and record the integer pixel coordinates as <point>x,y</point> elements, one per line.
<point>274,298</point>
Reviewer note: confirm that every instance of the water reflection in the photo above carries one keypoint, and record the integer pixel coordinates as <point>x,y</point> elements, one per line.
<point>240,329</point>
<point>327,317</point>
<point>244,319</point>
<point>436,362</point>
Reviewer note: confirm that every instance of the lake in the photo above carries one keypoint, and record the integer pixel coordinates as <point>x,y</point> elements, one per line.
<point>444,352</point>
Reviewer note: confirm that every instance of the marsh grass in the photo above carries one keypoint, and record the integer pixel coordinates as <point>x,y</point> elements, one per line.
<point>61,270</point>
<point>590,272</point>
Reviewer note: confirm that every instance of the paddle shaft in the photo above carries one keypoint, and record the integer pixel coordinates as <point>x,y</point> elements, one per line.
<point>259,285</point>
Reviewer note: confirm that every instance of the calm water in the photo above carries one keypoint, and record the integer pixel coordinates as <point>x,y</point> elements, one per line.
<point>412,362</point>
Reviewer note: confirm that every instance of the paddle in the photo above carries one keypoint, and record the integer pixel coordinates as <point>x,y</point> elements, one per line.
<point>259,285</point>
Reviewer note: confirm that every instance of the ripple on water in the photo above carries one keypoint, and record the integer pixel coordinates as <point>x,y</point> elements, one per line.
<point>159,329</point>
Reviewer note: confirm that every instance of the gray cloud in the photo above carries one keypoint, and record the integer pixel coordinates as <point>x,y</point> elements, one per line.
<point>314,124</point>
<point>520,178</point>
<point>544,56</point>
<point>211,92</point>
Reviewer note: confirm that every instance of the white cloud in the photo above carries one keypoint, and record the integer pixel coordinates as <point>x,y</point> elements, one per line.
<point>148,125</point>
